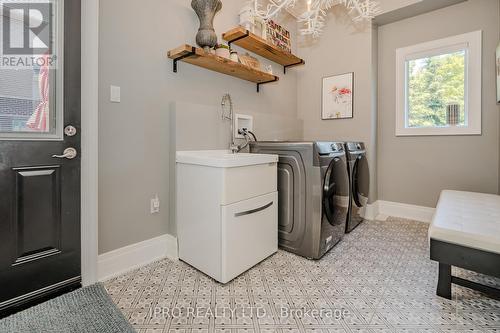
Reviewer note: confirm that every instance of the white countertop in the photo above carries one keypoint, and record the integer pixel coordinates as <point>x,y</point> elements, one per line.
<point>223,158</point>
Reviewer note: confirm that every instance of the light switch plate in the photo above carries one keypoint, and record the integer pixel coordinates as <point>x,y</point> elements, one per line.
<point>115,94</point>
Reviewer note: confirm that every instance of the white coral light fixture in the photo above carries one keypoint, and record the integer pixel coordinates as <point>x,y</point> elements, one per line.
<point>312,13</point>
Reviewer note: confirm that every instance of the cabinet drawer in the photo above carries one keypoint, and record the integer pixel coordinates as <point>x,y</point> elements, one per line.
<point>248,182</point>
<point>249,234</point>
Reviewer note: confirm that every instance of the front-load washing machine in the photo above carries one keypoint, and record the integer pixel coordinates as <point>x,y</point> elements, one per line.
<point>359,179</point>
<point>313,194</point>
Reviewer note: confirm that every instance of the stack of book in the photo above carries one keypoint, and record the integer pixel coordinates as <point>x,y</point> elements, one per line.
<point>279,36</point>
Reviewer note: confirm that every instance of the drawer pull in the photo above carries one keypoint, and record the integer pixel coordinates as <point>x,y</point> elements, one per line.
<point>253,211</point>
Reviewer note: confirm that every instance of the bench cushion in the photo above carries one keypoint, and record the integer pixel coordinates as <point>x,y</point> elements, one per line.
<point>468,219</point>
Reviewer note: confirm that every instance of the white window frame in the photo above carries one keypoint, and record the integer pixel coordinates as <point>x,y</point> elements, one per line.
<point>472,44</point>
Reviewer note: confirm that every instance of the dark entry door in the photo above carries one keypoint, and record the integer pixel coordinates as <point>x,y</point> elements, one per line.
<point>39,137</point>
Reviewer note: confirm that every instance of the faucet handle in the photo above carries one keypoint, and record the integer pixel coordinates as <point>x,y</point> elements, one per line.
<point>234,149</point>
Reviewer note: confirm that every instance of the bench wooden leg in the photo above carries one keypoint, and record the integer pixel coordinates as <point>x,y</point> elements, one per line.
<point>444,282</point>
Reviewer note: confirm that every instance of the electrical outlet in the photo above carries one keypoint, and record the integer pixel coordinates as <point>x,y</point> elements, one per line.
<point>155,204</point>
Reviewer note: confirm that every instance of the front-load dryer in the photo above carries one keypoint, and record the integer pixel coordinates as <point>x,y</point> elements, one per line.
<point>313,194</point>
<point>359,179</point>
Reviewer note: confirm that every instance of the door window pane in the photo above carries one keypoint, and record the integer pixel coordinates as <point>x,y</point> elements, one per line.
<point>25,101</point>
<point>436,91</point>
<point>30,103</point>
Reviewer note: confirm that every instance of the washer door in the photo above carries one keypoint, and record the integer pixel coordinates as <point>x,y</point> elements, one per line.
<point>336,192</point>
<point>361,181</point>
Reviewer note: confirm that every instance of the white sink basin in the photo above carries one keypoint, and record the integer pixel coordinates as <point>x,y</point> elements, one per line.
<point>223,158</point>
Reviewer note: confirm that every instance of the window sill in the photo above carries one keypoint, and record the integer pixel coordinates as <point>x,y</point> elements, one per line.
<point>443,131</point>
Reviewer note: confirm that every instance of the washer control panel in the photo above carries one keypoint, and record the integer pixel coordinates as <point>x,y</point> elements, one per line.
<point>354,146</point>
<point>327,148</point>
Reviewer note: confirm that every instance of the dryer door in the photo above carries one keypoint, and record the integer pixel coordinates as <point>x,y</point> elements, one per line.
<point>336,192</point>
<point>361,181</point>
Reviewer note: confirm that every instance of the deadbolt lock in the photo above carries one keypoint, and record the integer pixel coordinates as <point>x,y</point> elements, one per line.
<point>70,130</point>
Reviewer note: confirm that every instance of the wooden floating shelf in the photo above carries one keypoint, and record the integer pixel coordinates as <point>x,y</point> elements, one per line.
<point>253,43</point>
<point>198,57</point>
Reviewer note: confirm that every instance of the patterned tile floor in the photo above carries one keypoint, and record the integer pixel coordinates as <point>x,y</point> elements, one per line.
<point>378,279</point>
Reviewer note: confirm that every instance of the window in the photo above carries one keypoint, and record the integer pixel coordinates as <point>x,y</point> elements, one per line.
<point>439,87</point>
<point>31,79</point>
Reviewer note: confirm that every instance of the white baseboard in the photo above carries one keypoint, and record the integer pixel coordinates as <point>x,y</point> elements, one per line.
<point>125,259</point>
<point>406,211</point>
<point>381,210</point>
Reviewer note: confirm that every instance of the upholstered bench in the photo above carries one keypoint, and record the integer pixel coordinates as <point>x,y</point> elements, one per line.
<point>465,232</point>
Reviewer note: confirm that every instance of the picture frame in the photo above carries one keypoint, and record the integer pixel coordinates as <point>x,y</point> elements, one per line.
<point>497,58</point>
<point>338,97</point>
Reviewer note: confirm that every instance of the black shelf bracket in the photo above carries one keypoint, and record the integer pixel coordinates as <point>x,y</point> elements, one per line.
<point>247,33</point>
<point>301,62</point>
<point>192,52</point>
<point>259,84</point>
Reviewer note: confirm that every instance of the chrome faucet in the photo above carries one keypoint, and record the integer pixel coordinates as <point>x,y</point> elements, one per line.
<point>228,114</point>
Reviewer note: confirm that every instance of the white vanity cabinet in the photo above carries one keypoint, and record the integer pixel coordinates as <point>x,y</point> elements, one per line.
<point>227,211</point>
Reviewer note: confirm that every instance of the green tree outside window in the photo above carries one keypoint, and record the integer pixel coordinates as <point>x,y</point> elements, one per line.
<point>433,83</point>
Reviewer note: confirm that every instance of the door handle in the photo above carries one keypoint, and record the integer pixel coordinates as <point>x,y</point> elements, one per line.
<point>253,211</point>
<point>69,153</point>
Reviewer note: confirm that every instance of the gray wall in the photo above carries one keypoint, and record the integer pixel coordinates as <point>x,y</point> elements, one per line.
<point>343,47</point>
<point>134,135</point>
<point>415,169</point>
